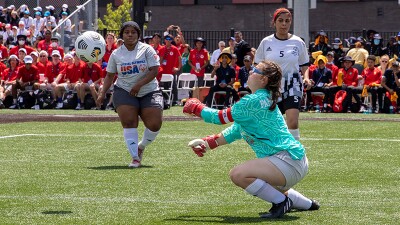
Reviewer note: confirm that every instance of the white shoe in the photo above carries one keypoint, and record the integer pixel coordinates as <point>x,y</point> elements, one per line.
<point>60,105</point>
<point>14,106</point>
<point>78,107</point>
<point>137,162</point>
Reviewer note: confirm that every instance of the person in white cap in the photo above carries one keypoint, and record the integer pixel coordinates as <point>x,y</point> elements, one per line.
<point>21,10</point>
<point>52,11</point>
<point>27,79</point>
<point>38,22</point>
<point>64,9</point>
<point>26,19</point>
<point>7,33</point>
<point>54,74</point>
<point>38,9</point>
<point>21,28</point>
<point>21,55</point>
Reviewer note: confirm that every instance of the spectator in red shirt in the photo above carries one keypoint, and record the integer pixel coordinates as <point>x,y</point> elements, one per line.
<point>42,61</point>
<point>110,46</point>
<point>171,63</point>
<point>45,43</point>
<point>157,46</point>
<point>198,60</point>
<point>372,82</point>
<point>89,82</point>
<point>27,79</point>
<point>3,50</point>
<point>21,43</point>
<point>54,74</point>
<point>55,46</point>
<point>9,75</point>
<point>73,75</point>
<point>5,86</point>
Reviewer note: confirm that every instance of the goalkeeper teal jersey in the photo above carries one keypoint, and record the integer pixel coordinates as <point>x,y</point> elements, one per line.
<point>264,130</point>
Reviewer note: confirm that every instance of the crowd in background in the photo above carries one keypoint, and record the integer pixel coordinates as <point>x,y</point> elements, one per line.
<point>365,68</point>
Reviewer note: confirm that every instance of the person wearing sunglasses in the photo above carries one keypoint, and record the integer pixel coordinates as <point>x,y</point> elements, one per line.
<point>281,161</point>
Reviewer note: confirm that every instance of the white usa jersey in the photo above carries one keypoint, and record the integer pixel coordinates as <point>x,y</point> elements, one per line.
<point>289,54</point>
<point>132,66</point>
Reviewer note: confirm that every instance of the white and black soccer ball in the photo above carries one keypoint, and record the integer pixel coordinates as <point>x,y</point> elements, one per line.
<point>90,46</point>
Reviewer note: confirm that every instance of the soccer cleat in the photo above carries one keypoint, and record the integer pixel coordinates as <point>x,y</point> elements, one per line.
<point>278,210</point>
<point>60,105</point>
<point>314,205</point>
<point>135,163</point>
<point>78,107</point>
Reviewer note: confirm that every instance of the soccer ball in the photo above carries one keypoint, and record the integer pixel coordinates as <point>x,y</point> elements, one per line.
<point>90,46</point>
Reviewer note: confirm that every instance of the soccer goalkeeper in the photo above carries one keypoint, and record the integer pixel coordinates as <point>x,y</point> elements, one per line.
<point>281,160</point>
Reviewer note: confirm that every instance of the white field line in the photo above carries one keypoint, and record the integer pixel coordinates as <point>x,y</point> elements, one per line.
<point>184,136</point>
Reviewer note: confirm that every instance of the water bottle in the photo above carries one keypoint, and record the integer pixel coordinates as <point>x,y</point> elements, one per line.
<point>317,109</point>
<point>391,109</point>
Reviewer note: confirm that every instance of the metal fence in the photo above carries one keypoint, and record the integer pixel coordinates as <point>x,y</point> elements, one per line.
<point>255,37</point>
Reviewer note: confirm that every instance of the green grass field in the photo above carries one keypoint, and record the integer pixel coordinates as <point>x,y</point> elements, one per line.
<point>76,173</point>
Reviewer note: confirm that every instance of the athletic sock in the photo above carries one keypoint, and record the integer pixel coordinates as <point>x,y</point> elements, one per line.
<point>131,141</point>
<point>265,191</point>
<point>295,133</point>
<point>299,200</point>
<point>148,137</point>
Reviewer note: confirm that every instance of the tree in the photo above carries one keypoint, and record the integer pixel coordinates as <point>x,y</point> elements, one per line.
<point>116,16</point>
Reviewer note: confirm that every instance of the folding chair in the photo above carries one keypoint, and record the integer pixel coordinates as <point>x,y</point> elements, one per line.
<point>168,92</point>
<point>208,78</point>
<point>214,102</point>
<point>186,82</point>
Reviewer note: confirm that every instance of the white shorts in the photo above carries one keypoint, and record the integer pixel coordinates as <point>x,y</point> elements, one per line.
<point>293,170</point>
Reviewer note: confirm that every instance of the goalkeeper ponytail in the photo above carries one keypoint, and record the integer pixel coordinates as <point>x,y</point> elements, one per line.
<point>274,74</point>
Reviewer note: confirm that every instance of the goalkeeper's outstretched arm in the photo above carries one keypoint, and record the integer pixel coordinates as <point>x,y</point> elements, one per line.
<point>194,107</point>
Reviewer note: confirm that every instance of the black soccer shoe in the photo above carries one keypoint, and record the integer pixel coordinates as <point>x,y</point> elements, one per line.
<point>278,210</point>
<point>314,205</point>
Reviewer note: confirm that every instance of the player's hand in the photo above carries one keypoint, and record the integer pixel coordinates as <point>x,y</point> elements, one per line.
<point>199,147</point>
<point>193,107</point>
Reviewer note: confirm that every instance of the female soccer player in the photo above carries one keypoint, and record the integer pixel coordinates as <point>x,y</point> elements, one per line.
<point>136,91</point>
<point>290,53</point>
<point>281,160</point>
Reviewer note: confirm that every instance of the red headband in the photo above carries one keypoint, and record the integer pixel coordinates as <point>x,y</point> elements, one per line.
<point>279,12</point>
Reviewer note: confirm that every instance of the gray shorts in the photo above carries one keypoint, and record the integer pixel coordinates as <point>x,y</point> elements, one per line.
<point>152,99</point>
<point>293,170</point>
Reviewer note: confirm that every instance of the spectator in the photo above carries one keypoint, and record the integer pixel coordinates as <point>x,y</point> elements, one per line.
<point>321,43</point>
<point>55,40</point>
<point>242,48</point>
<point>39,10</point>
<point>27,20</point>
<point>171,63</point>
<point>38,22</point>
<point>372,82</point>
<point>320,82</point>
<point>21,44</point>
<point>185,59</point>
<point>120,42</point>
<point>338,50</point>
<point>73,77</point>
<point>110,46</point>
<point>55,70</point>
<point>21,10</point>
<point>214,57</point>
<point>27,79</point>
<point>225,79</point>
<point>7,33</point>
<point>35,57</point>
<point>64,9</point>
<point>14,19</point>
<point>49,21</point>
<point>9,77</point>
<point>3,15</point>
<point>349,77</point>
<point>89,82</point>
<point>46,43</point>
<point>360,55</point>
<point>21,29</point>
<point>3,51</point>
<point>65,26</point>
<point>391,81</point>
<point>392,47</point>
<point>198,60</point>
<point>231,45</point>
<point>52,11</point>
<point>384,63</point>
<point>21,56</point>
<point>376,48</point>
<point>244,73</point>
